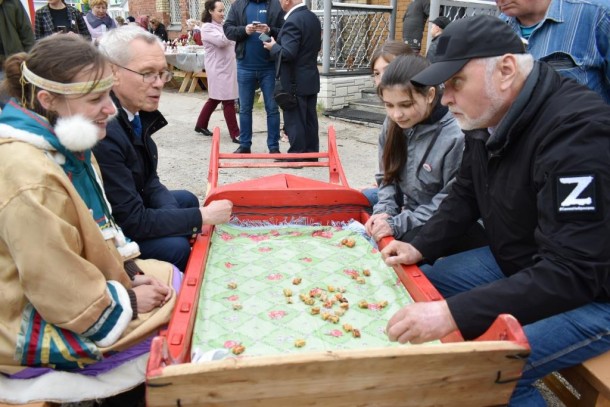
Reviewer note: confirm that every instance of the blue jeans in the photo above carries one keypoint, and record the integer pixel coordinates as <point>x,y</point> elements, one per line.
<point>556,342</point>
<point>172,249</point>
<point>247,80</point>
<point>371,195</point>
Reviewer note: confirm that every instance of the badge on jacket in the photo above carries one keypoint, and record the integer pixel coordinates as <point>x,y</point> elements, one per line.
<point>576,196</point>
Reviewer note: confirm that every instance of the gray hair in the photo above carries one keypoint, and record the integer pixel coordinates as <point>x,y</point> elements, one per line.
<point>525,63</point>
<point>114,44</point>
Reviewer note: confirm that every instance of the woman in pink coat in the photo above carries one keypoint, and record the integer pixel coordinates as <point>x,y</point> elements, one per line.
<point>221,68</point>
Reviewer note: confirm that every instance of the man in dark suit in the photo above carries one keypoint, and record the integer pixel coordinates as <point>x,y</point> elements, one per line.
<point>161,221</point>
<point>299,42</point>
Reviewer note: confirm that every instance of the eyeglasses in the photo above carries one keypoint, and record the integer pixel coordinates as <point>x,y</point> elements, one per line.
<point>152,77</point>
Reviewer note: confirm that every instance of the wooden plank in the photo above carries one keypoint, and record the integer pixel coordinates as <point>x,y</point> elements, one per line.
<point>591,380</point>
<point>597,372</point>
<point>187,79</point>
<point>467,373</point>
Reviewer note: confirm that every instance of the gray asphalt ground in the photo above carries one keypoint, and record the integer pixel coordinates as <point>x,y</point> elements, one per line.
<point>184,155</point>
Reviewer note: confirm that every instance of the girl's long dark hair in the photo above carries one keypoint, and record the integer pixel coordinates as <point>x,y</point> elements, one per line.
<point>398,74</point>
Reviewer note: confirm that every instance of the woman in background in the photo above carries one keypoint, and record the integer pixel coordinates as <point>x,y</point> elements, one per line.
<point>97,19</point>
<point>57,16</point>
<point>420,155</point>
<point>221,68</point>
<point>158,28</point>
<point>77,312</point>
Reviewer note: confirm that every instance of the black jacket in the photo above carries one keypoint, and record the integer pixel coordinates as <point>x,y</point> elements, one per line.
<point>141,205</point>
<point>299,42</point>
<point>235,24</point>
<point>160,32</point>
<point>550,238</point>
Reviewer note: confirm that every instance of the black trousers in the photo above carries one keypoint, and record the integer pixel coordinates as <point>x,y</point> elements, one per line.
<point>301,125</point>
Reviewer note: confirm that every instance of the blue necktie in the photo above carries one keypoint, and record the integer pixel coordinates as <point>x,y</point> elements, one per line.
<point>136,125</point>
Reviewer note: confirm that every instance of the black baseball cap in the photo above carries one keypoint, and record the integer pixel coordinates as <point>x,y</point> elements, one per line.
<point>467,38</point>
<point>441,21</point>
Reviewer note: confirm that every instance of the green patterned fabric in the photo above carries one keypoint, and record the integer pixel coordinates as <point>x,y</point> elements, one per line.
<point>242,300</point>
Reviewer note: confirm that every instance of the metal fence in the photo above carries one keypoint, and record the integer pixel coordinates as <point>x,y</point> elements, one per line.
<point>350,34</point>
<point>458,9</point>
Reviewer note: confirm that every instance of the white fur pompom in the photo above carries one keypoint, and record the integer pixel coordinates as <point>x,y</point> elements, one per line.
<point>76,133</point>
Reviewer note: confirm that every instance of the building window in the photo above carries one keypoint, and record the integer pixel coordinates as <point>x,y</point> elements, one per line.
<point>175,17</point>
<point>194,11</point>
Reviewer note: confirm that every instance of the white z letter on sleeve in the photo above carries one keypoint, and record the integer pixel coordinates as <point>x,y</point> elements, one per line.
<point>572,199</point>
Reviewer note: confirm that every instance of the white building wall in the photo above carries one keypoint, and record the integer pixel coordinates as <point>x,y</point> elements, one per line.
<point>337,91</point>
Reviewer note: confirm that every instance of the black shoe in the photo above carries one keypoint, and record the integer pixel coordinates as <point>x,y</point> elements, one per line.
<point>203,131</point>
<point>235,140</point>
<point>289,160</point>
<point>275,151</point>
<point>242,150</point>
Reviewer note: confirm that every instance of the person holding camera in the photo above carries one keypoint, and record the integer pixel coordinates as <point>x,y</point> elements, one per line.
<point>247,20</point>
<point>58,17</point>
<point>298,45</point>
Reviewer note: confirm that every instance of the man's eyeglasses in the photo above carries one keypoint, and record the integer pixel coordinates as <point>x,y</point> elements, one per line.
<point>151,77</point>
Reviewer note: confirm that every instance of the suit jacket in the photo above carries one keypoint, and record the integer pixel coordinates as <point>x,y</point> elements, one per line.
<point>299,41</point>
<point>142,206</point>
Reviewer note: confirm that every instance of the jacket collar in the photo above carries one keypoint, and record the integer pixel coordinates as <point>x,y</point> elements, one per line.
<point>151,121</point>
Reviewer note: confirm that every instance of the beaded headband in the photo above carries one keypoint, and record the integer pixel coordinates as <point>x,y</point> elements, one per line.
<point>77,88</point>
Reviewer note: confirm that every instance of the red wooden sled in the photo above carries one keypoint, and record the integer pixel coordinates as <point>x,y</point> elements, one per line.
<point>481,372</point>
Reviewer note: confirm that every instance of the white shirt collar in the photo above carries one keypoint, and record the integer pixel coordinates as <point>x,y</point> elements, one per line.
<point>130,115</point>
<point>292,9</point>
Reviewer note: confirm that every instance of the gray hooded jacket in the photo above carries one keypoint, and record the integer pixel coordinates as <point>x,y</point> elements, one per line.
<point>427,176</point>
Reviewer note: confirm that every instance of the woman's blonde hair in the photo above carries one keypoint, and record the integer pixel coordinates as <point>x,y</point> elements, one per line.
<point>93,3</point>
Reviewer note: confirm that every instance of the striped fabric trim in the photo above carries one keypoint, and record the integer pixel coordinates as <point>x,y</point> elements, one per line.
<point>114,320</point>
<point>42,344</point>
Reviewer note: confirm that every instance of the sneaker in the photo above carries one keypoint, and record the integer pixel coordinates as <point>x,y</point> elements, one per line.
<point>203,131</point>
<point>235,139</point>
<point>275,151</point>
<point>242,150</point>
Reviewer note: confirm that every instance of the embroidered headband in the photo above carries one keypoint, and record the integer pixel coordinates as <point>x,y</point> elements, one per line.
<point>76,88</point>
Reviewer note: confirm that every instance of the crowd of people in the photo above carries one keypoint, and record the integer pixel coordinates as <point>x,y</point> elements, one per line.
<point>493,177</point>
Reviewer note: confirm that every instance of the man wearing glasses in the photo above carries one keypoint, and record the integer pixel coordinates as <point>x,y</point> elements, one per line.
<point>159,220</point>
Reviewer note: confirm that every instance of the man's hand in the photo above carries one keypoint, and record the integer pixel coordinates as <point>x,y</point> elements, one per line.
<point>216,212</point>
<point>151,296</point>
<point>421,322</point>
<point>262,28</point>
<point>250,29</point>
<point>377,227</point>
<point>269,44</point>
<point>398,252</point>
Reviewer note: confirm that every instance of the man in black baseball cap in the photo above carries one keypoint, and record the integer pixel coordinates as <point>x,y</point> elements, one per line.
<point>465,39</point>
<point>535,170</point>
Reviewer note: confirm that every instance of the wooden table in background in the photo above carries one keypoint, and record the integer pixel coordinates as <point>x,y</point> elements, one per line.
<point>190,66</point>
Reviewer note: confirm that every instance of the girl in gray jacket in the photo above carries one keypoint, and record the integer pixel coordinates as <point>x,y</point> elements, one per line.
<point>420,151</point>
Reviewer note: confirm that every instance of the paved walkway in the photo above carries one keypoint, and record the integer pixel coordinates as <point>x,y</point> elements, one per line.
<point>184,154</point>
